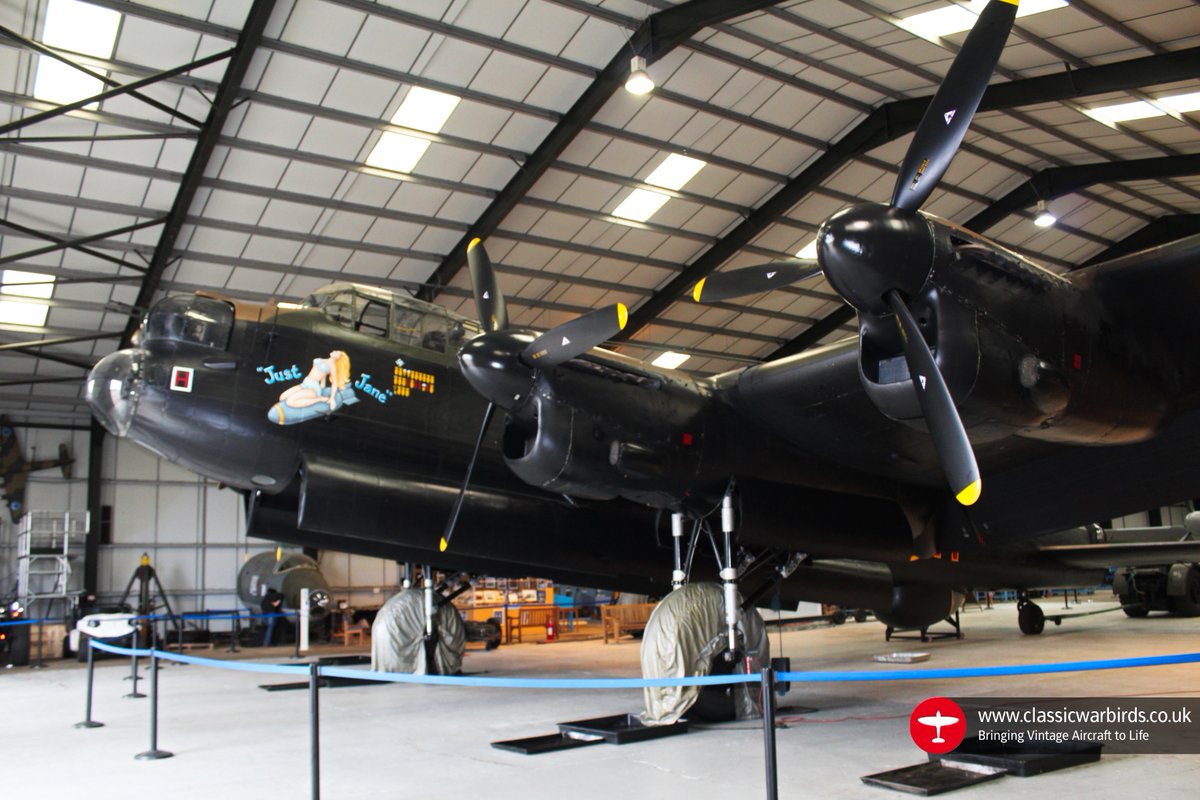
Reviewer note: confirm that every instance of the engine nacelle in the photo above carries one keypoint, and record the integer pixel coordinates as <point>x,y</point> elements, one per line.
<point>1069,376</point>
<point>600,430</point>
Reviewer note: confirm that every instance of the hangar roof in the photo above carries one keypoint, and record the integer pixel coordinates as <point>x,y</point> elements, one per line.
<point>245,160</point>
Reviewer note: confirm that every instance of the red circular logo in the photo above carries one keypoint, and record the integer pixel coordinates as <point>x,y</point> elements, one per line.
<point>937,725</point>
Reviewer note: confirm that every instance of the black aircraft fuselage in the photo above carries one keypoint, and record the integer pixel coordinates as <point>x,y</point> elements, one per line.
<point>986,402</point>
<point>348,424</point>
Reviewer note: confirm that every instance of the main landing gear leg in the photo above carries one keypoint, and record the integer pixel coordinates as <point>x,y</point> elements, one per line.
<point>700,628</point>
<point>729,576</point>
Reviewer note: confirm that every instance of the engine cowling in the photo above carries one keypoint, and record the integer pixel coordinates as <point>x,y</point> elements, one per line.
<point>602,430</point>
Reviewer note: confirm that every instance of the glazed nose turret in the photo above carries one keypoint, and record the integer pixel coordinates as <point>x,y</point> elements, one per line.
<point>112,389</point>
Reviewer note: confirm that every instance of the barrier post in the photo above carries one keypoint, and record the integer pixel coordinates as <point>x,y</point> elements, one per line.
<point>296,652</point>
<point>314,718</point>
<point>768,709</point>
<point>153,754</point>
<point>305,616</point>
<point>237,630</point>
<point>88,722</point>
<point>133,665</point>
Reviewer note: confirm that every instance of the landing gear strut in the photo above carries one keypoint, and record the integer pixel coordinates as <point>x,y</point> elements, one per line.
<point>702,629</point>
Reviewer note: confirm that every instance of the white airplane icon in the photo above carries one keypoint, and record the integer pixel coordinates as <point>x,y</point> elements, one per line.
<point>938,722</point>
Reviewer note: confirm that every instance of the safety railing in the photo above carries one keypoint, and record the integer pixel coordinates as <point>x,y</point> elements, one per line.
<point>767,678</point>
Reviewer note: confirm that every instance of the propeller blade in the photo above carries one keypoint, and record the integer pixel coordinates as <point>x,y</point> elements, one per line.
<point>949,437</point>
<point>489,301</point>
<point>574,338</point>
<point>462,494</point>
<point>950,112</point>
<point>752,280</point>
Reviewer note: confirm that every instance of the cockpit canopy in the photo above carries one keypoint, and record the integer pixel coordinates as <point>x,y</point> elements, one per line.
<point>377,312</point>
<point>190,318</point>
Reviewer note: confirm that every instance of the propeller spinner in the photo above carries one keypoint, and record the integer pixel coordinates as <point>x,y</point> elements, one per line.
<point>876,256</point>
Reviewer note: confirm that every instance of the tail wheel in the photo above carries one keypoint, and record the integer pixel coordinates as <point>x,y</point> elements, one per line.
<point>1031,619</point>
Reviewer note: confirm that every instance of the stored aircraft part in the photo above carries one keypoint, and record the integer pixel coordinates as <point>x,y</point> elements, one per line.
<point>1174,588</point>
<point>684,637</point>
<point>398,636</point>
<point>287,574</point>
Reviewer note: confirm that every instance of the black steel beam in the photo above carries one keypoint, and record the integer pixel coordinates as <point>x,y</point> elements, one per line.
<point>1058,181</point>
<point>38,47</point>
<point>74,244</point>
<point>657,36</point>
<point>893,120</point>
<point>819,330</point>
<point>60,240</point>
<point>231,83</point>
<point>1161,231</point>
<point>116,137</point>
<point>62,340</point>
<point>70,362</point>
<point>49,426</point>
<point>91,551</point>
<point>127,88</point>
<point>35,381</point>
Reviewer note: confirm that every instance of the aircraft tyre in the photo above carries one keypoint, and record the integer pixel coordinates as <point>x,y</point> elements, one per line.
<point>1132,608</point>
<point>1031,619</point>
<point>1188,603</point>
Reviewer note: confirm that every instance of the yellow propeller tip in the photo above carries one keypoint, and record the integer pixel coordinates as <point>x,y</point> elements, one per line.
<point>698,289</point>
<point>622,315</point>
<point>443,544</point>
<point>472,244</point>
<point>970,494</point>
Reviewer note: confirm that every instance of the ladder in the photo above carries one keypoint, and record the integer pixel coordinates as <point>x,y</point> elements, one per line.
<point>48,545</point>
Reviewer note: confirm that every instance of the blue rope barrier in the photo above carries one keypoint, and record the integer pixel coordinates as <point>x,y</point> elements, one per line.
<point>643,683</point>
<point>187,616</point>
<point>539,683</point>
<point>237,666</point>
<point>989,672</point>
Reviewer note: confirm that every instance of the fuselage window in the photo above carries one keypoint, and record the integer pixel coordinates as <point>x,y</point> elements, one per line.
<point>373,319</point>
<point>196,320</point>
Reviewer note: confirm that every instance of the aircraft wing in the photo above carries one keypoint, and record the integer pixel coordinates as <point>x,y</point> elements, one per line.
<point>1143,554</point>
<point>14,493</point>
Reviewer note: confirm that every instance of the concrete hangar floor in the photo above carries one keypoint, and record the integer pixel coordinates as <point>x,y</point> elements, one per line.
<point>231,739</point>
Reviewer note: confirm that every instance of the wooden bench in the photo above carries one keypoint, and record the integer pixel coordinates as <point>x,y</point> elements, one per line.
<point>619,620</point>
<point>533,617</point>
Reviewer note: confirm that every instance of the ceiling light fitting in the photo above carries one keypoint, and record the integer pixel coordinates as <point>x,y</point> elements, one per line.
<point>1044,218</point>
<point>639,81</point>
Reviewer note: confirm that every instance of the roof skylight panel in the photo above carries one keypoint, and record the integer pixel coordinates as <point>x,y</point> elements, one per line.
<point>81,28</point>
<point>673,174</point>
<point>424,110</point>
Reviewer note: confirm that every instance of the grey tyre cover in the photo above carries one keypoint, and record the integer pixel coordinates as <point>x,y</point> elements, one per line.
<point>685,631</point>
<point>398,636</point>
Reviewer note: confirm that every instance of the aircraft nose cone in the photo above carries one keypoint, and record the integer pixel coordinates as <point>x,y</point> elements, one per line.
<point>112,390</point>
